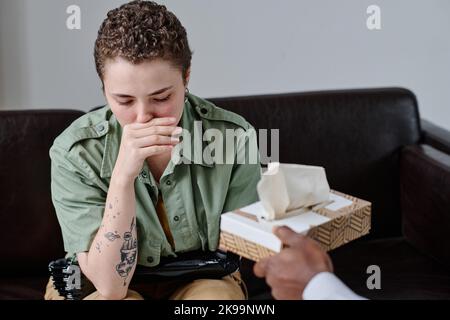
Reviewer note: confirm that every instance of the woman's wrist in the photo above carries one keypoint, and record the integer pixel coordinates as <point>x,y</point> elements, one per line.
<point>121,180</point>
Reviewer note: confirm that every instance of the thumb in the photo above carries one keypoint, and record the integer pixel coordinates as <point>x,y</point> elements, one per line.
<point>288,236</point>
<point>260,268</point>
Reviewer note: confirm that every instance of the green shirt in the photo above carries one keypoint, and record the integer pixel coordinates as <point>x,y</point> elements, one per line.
<point>194,194</point>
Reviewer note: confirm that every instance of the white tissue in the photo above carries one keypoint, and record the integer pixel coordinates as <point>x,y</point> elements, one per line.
<point>287,187</point>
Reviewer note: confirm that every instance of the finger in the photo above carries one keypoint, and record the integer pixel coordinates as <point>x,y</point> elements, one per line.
<point>162,130</point>
<point>288,236</point>
<point>154,150</point>
<point>166,121</point>
<point>163,121</point>
<point>276,294</point>
<point>284,293</point>
<point>155,140</point>
<point>330,264</point>
<point>272,279</point>
<point>260,268</point>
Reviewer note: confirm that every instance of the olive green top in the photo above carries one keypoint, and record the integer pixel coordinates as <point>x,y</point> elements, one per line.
<point>195,193</point>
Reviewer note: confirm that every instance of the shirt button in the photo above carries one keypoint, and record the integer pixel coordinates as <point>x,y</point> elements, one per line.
<point>100,128</point>
<point>168,182</point>
<point>204,110</point>
<point>176,218</point>
<point>150,259</point>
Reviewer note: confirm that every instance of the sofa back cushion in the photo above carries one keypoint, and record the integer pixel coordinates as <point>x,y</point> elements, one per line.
<point>355,134</point>
<point>30,233</point>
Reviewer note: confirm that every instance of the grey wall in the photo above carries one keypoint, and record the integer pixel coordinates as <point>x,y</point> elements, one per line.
<point>240,48</point>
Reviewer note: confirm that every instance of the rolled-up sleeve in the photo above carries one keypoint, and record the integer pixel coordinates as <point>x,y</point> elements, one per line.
<point>79,202</point>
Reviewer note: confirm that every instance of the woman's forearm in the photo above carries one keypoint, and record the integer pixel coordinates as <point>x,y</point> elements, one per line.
<point>111,260</point>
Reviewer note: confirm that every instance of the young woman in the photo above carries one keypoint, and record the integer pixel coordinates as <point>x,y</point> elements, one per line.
<point>120,198</point>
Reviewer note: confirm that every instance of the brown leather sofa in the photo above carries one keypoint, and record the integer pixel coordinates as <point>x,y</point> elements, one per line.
<point>372,143</point>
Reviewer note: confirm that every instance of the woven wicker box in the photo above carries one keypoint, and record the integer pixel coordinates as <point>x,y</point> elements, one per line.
<point>341,226</point>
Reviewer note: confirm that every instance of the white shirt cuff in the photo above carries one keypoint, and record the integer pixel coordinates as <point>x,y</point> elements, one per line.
<point>326,286</point>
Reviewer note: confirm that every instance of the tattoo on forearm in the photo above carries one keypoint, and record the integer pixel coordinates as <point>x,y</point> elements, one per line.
<point>128,253</point>
<point>97,246</point>
<point>111,236</point>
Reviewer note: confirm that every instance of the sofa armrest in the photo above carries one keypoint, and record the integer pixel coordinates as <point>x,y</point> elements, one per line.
<point>435,136</point>
<point>425,200</point>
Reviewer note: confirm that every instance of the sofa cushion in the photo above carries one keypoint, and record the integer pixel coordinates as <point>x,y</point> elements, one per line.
<point>30,231</point>
<point>23,287</point>
<point>426,209</point>
<point>405,272</point>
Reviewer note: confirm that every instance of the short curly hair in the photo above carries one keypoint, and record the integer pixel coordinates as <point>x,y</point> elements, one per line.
<point>140,31</point>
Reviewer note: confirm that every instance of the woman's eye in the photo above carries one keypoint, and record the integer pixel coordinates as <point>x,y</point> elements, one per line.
<point>163,99</point>
<point>125,103</point>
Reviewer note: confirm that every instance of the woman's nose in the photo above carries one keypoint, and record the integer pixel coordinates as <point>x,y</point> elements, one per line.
<point>144,114</point>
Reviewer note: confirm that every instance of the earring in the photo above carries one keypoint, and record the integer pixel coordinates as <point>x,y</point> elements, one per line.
<point>186,95</point>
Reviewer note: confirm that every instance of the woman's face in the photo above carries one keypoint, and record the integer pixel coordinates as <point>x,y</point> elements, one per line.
<point>138,93</point>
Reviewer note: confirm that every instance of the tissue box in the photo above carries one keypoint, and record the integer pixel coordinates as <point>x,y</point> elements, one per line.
<point>345,219</point>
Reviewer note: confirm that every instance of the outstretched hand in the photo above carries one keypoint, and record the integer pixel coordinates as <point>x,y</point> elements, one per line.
<point>289,271</point>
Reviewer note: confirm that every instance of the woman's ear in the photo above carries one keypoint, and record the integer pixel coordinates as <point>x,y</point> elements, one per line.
<point>103,88</point>
<point>188,76</point>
